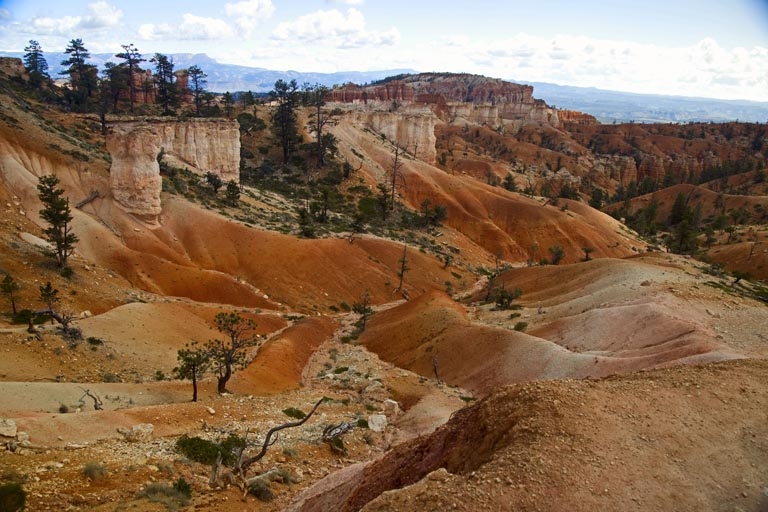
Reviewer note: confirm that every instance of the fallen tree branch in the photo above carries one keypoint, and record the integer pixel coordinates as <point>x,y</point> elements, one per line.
<point>97,403</point>
<point>244,464</point>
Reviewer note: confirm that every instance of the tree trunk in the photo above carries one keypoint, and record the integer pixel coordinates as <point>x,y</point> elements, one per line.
<point>194,384</point>
<point>223,379</point>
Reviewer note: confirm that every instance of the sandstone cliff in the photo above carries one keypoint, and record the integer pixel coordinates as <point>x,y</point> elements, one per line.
<point>200,145</point>
<point>406,109</point>
<point>458,98</point>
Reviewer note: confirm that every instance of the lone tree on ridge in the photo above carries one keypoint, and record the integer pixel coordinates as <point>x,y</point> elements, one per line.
<point>57,214</point>
<point>230,354</point>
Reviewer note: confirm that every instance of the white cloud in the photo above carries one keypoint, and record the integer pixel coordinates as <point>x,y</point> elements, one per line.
<point>5,14</point>
<point>249,13</point>
<point>192,27</point>
<point>101,16</point>
<point>704,68</point>
<point>335,28</point>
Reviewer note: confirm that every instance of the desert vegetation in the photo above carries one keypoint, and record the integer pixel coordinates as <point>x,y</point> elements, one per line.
<point>379,282</point>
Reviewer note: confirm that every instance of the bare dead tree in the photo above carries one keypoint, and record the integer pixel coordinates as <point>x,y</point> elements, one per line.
<point>97,403</point>
<point>435,364</point>
<point>397,163</point>
<point>238,477</point>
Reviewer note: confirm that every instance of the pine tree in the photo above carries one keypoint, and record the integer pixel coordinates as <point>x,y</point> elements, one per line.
<point>35,63</point>
<point>83,77</point>
<point>132,59</point>
<point>284,119</point>
<point>167,94</point>
<point>9,287</point>
<point>194,362</point>
<point>58,216</point>
<point>197,83</point>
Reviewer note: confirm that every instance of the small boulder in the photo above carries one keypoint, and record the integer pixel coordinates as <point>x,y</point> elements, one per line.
<point>391,408</point>
<point>377,422</point>
<point>139,432</point>
<point>7,428</point>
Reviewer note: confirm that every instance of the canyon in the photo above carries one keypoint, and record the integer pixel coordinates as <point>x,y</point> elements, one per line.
<point>618,357</point>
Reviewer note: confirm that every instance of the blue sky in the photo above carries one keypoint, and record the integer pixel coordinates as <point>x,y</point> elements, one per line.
<point>708,48</point>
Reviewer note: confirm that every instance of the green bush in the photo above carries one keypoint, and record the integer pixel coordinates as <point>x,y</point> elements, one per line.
<point>521,326</point>
<point>183,487</point>
<point>12,497</point>
<point>206,452</point>
<point>293,412</point>
<point>261,490</point>
<point>169,496</point>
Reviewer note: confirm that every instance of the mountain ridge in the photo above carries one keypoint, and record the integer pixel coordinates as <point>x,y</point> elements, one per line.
<point>606,105</point>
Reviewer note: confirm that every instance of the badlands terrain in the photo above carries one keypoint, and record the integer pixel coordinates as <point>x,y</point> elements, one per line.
<point>625,377</point>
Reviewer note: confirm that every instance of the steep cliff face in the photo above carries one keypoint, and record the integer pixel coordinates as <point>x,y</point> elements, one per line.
<point>407,109</point>
<point>200,145</point>
<point>459,98</point>
<point>413,130</point>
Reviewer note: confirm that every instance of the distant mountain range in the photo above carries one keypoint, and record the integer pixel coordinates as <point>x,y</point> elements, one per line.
<point>606,106</point>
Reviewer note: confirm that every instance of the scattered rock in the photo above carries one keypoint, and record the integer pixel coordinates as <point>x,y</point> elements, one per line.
<point>139,432</point>
<point>377,422</point>
<point>211,410</point>
<point>391,408</point>
<point>7,428</point>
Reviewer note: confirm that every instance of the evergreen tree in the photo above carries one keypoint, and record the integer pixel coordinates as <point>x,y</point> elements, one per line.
<point>114,82</point>
<point>284,120</point>
<point>227,355</point>
<point>314,97</point>
<point>83,77</point>
<point>164,79</point>
<point>132,59</point>
<point>58,216</point>
<point>9,287</point>
<point>233,192</point>
<point>228,103</point>
<point>509,182</point>
<point>35,63</point>
<point>197,83</point>
<point>194,362</point>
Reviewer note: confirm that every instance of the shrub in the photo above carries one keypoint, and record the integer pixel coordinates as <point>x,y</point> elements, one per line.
<point>293,412</point>
<point>206,452</point>
<point>198,449</point>
<point>63,409</point>
<point>93,341</point>
<point>261,490</point>
<point>12,497</point>
<point>362,423</point>
<point>521,326</point>
<point>169,496</point>
<point>183,487</point>
<point>94,471</point>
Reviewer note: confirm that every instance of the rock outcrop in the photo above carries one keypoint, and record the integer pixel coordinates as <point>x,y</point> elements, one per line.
<point>200,145</point>
<point>406,109</point>
<point>460,98</point>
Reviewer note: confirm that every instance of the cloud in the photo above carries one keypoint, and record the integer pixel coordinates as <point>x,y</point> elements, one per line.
<point>192,28</point>
<point>345,2</point>
<point>701,69</point>
<point>5,14</point>
<point>335,28</point>
<point>249,13</point>
<point>101,16</point>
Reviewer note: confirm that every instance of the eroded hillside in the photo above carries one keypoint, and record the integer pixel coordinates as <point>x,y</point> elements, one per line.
<point>573,335</point>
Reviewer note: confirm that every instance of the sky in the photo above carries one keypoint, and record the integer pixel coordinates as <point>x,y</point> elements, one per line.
<point>703,48</point>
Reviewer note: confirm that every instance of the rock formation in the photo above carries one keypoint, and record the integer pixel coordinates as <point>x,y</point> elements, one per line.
<point>406,109</point>
<point>200,145</point>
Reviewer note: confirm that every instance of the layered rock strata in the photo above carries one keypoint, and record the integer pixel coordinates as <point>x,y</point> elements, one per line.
<point>200,145</point>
